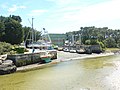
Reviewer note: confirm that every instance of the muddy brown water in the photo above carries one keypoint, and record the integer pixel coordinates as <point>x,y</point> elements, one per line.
<point>87,74</point>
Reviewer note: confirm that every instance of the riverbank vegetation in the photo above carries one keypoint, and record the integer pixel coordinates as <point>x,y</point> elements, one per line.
<point>7,48</point>
<point>105,37</point>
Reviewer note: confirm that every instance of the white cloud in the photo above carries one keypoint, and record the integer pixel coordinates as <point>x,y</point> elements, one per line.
<point>101,14</point>
<point>15,8</point>
<point>37,12</point>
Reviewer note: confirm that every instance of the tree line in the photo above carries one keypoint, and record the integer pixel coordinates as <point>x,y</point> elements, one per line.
<point>12,31</point>
<point>92,35</point>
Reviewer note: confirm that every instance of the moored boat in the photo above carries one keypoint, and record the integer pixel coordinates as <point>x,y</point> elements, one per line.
<point>46,58</point>
<point>3,57</point>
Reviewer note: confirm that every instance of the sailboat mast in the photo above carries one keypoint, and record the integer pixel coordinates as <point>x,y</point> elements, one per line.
<point>32,31</point>
<point>47,35</point>
<point>32,34</point>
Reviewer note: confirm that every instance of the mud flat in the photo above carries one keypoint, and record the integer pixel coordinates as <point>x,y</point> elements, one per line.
<point>62,56</point>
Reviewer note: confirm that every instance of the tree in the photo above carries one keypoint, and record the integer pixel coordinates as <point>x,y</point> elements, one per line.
<point>38,35</point>
<point>28,33</point>
<point>16,18</point>
<point>2,29</point>
<point>13,32</point>
<point>118,44</point>
<point>87,42</point>
<point>100,37</point>
<point>110,42</point>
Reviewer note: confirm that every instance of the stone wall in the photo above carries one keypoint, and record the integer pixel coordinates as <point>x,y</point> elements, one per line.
<point>96,48</point>
<point>24,59</point>
<point>31,58</point>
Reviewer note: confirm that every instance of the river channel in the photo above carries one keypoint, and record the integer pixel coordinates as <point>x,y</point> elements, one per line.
<point>101,73</point>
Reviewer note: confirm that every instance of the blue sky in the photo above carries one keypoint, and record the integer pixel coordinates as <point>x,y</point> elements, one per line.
<point>61,16</point>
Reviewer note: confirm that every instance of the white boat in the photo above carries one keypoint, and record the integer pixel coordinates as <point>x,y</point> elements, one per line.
<point>66,50</point>
<point>3,57</point>
<point>46,57</point>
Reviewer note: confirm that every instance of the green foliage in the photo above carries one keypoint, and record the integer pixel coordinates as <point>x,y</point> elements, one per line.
<point>5,48</point>
<point>93,35</point>
<point>37,35</point>
<point>28,32</point>
<point>19,50</point>
<point>2,28</point>
<point>102,45</point>
<point>110,42</point>
<point>87,42</point>
<point>11,30</point>
<point>118,44</point>
<point>94,42</point>
<point>16,18</point>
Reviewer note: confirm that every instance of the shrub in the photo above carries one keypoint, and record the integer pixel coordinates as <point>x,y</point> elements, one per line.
<point>110,42</point>
<point>87,42</point>
<point>5,48</point>
<point>19,50</point>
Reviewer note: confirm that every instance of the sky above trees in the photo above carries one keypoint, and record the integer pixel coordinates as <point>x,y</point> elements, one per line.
<point>60,16</point>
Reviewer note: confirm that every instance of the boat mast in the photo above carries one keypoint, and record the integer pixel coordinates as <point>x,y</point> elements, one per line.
<point>32,35</point>
<point>46,35</point>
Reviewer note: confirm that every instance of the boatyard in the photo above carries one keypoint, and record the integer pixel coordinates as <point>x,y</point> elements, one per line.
<point>60,45</point>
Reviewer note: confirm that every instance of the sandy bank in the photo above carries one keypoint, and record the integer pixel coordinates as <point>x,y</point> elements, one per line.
<point>63,56</point>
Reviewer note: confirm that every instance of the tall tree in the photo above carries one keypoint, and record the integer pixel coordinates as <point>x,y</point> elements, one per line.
<point>110,42</point>
<point>2,29</point>
<point>16,18</point>
<point>13,32</point>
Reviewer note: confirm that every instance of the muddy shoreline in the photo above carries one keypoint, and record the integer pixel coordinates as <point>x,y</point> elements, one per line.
<point>62,56</point>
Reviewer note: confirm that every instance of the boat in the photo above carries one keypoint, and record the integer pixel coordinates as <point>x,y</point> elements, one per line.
<point>46,58</point>
<point>81,51</point>
<point>3,57</point>
<point>72,51</point>
<point>72,48</point>
<point>43,45</point>
<point>66,50</point>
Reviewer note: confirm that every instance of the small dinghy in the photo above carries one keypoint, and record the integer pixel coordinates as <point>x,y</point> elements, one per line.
<point>46,57</point>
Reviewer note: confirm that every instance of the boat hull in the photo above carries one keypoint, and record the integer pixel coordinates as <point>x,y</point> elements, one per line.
<point>46,58</point>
